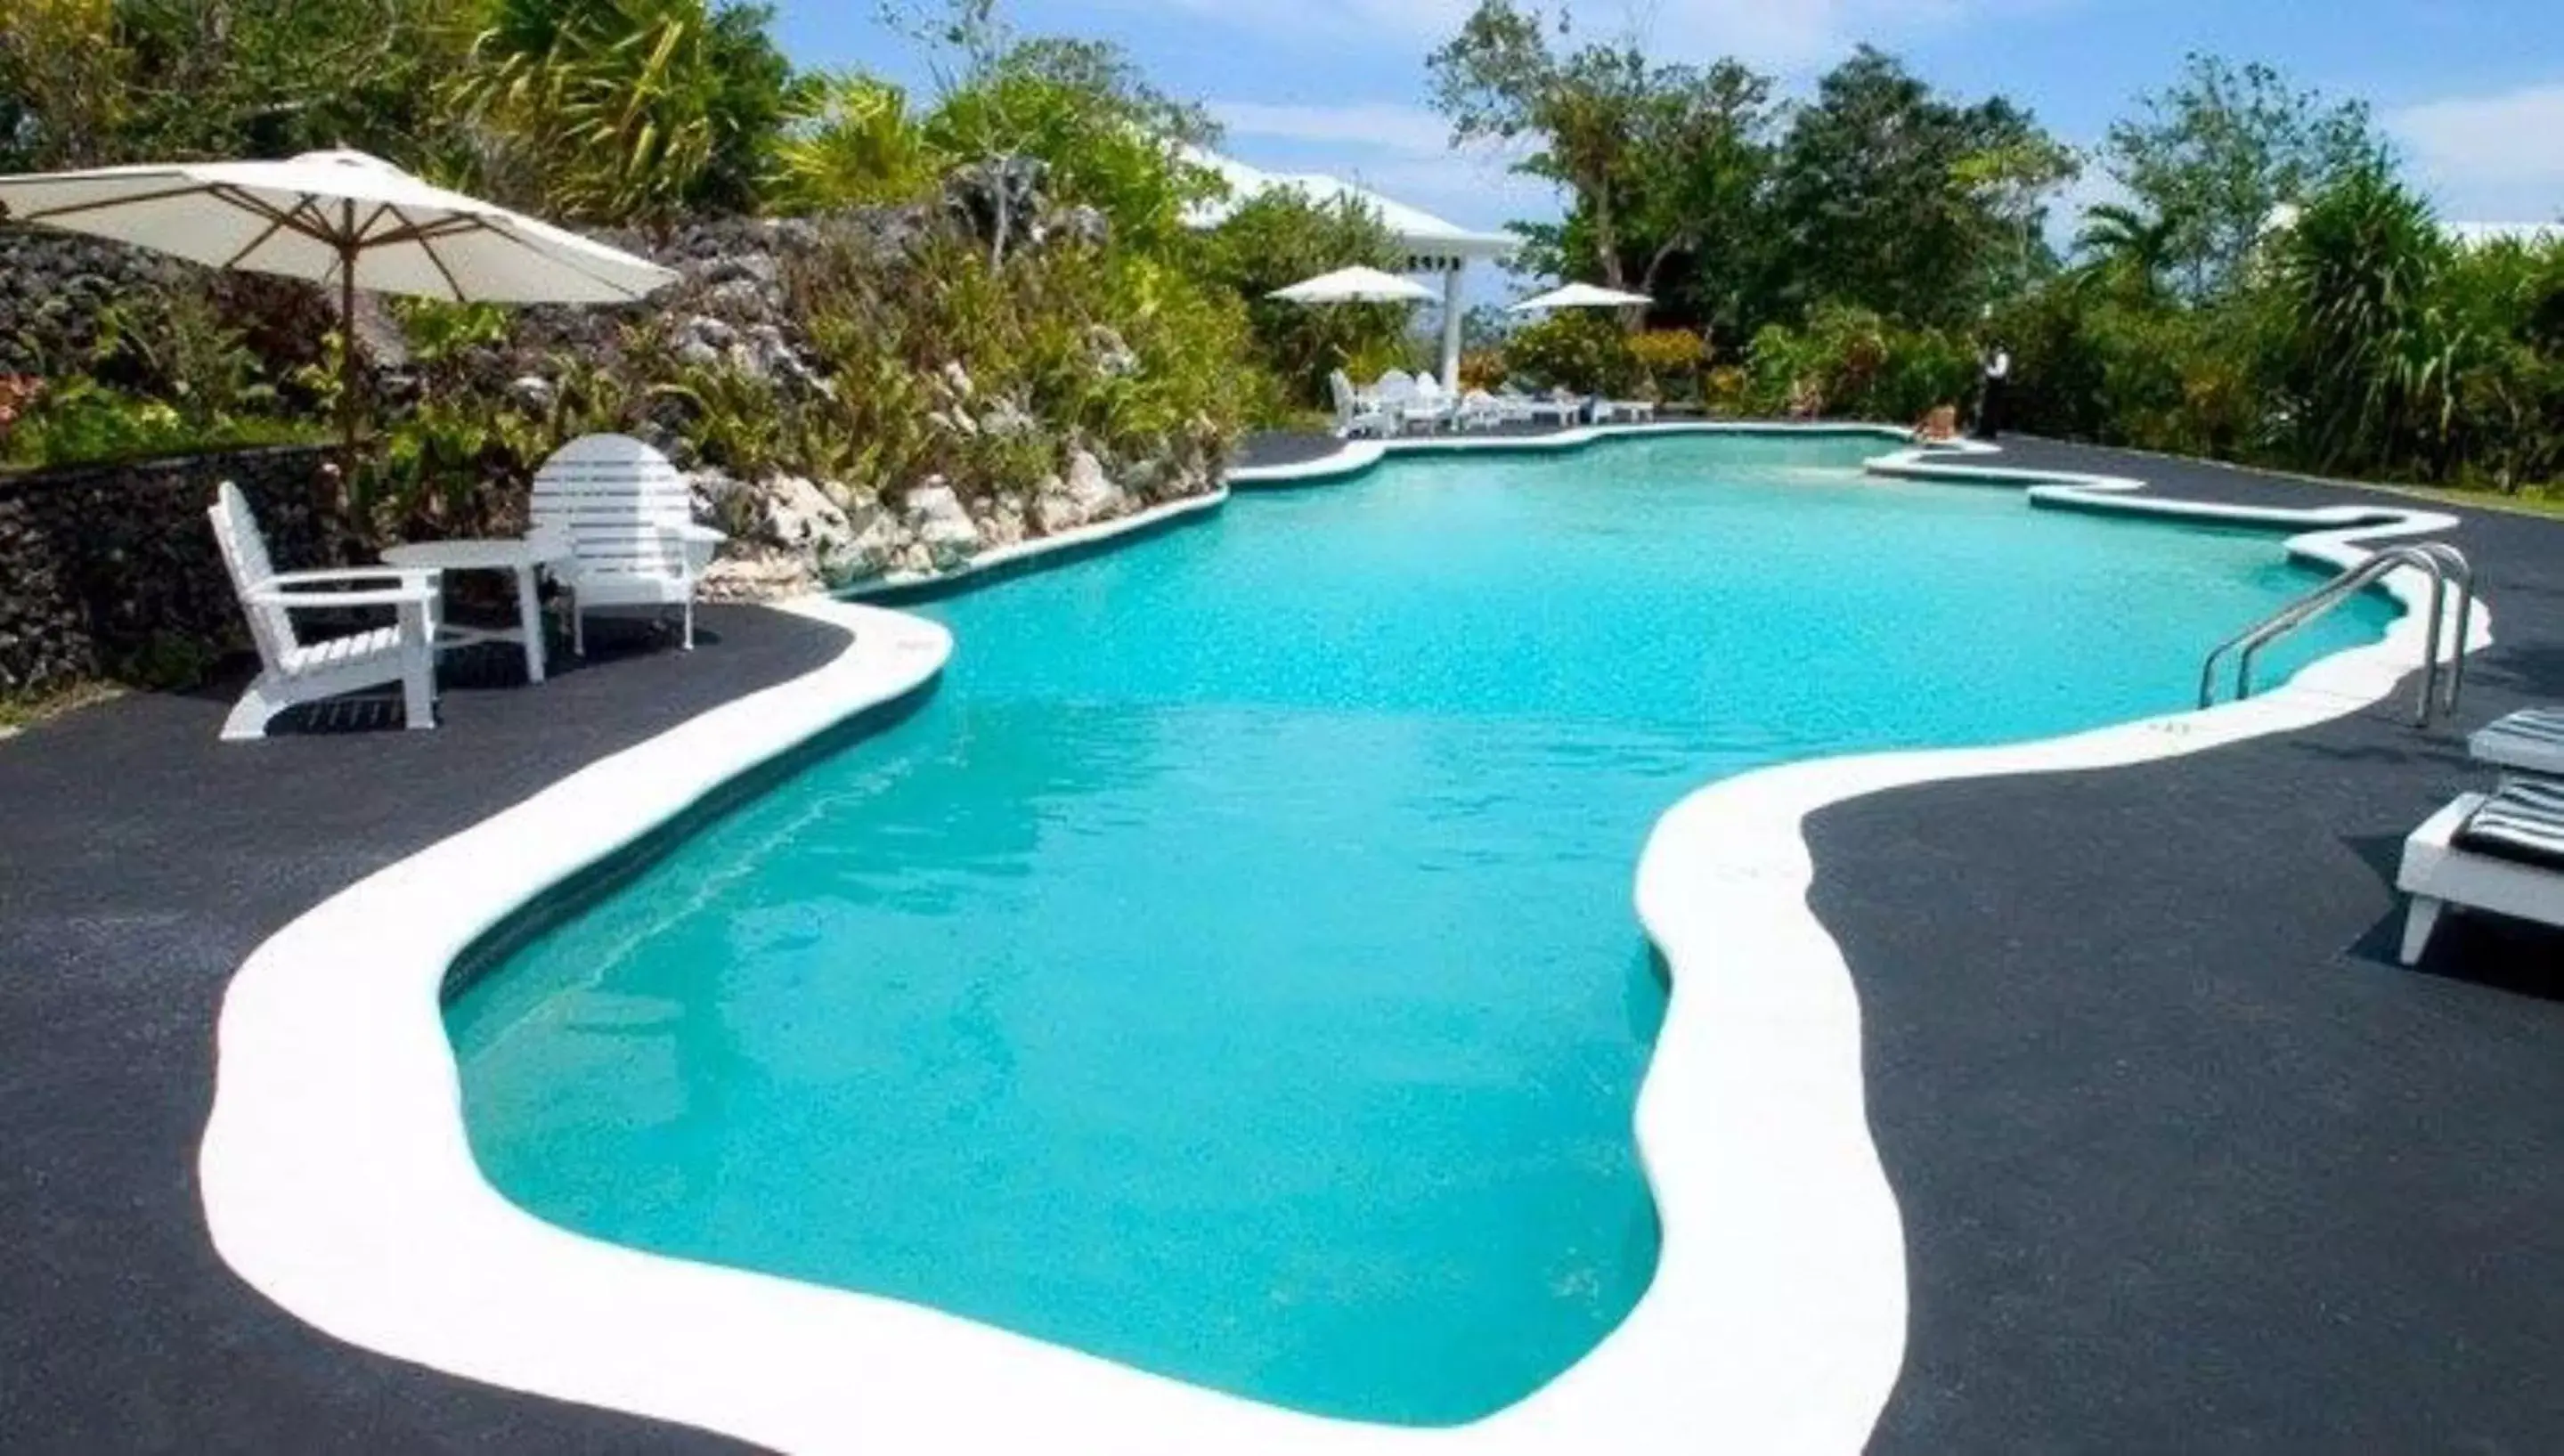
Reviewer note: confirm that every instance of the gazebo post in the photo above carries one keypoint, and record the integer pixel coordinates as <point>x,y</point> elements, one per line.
<point>1451,271</point>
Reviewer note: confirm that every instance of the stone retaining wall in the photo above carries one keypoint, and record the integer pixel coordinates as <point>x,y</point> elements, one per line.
<point>111,570</point>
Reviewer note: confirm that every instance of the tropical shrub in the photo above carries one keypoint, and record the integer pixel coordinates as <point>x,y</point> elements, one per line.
<point>1851,362</point>
<point>1672,359</point>
<point>1105,138</point>
<point>1582,350</point>
<point>627,110</point>
<point>857,147</point>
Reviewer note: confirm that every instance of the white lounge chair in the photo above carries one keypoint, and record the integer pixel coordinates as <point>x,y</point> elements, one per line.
<point>292,670</point>
<point>1356,412</point>
<point>1634,410</point>
<point>623,520</point>
<point>1430,407</point>
<point>2501,852</point>
<point>1480,410</point>
<point>2530,740</point>
<point>1522,408</point>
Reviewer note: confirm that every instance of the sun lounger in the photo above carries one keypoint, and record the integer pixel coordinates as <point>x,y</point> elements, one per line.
<point>2501,852</point>
<point>2530,740</point>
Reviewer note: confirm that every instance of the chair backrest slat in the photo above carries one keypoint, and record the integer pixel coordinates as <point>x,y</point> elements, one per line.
<point>245,556</point>
<point>620,506</point>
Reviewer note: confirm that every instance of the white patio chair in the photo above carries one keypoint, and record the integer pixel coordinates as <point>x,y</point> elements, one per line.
<point>2501,852</point>
<point>1633,410</point>
<point>292,670</point>
<point>623,517</point>
<point>1355,413</point>
<point>1480,410</point>
<point>1430,407</point>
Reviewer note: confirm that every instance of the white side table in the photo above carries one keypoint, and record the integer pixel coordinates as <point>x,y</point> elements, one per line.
<point>522,557</point>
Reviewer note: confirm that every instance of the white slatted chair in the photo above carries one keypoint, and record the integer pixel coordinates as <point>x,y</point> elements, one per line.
<point>294,670</point>
<point>623,520</point>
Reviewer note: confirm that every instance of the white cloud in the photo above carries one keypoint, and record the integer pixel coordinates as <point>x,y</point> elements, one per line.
<point>2489,158</point>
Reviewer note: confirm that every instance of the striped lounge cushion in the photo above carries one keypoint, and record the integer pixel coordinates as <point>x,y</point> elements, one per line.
<point>2523,821</point>
<point>2534,725</point>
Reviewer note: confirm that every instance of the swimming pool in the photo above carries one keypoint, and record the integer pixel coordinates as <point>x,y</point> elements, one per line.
<point>1230,969</point>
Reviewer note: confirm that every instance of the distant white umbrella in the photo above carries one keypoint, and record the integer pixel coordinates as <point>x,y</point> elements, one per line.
<point>1355,286</point>
<point>335,218</point>
<point>1579,295</point>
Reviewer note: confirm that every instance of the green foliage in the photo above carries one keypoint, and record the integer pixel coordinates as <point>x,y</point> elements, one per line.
<point>857,147</point>
<point>76,420</point>
<point>1107,140</point>
<point>1659,161</point>
<point>1673,360</point>
<point>1851,362</point>
<point>232,78</point>
<point>1279,238</point>
<point>628,111</point>
<point>1582,350</point>
<point>1892,199</point>
<point>2221,149</point>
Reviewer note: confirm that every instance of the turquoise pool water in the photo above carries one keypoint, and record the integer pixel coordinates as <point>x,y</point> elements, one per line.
<point>1231,969</point>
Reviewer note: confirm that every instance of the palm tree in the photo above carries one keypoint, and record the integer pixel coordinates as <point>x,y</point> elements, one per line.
<point>2122,245</point>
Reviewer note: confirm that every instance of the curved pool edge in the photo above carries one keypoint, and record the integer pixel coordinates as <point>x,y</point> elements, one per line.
<point>338,1181</point>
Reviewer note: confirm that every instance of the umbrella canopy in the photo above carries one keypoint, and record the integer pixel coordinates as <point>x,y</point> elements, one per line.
<point>1579,295</point>
<point>338,218</point>
<point>1355,286</point>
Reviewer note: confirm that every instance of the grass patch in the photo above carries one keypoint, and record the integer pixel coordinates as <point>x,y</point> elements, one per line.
<point>18,709</point>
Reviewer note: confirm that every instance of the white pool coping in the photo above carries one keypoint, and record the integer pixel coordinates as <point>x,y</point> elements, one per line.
<point>337,1179</point>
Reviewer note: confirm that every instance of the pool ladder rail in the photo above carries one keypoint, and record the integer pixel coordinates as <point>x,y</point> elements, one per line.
<point>2445,564</point>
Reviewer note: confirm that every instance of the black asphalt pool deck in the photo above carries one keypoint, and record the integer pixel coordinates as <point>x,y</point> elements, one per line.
<point>141,861</point>
<point>2186,1163</point>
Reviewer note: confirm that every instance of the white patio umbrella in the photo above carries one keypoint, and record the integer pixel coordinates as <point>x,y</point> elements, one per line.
<point>1355,286</point>
<point>338,218</point>
<point>1579,295</point>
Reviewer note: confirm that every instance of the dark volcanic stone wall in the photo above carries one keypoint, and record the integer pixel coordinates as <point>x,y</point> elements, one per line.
<point>111,570</point>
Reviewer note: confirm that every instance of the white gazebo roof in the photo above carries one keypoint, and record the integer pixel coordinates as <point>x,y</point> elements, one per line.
<point>1432,243</point>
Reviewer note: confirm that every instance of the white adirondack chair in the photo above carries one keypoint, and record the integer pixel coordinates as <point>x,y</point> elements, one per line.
<point>623,520</point>
<point>294,670</point>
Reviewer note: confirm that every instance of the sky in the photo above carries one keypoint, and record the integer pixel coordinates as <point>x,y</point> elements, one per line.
<point>2472,91</point>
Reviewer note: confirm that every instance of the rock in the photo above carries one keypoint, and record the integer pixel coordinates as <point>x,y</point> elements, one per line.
<point>1094,497</point>
<point>1004,418</point>
<point>759,270</point>
<point>761,574</point>
<point>1113,357</point>
<point>800,516</point>
<point>739,298</point>
<point>713,492</point>
<point>1053,511</point>
<point>532,391</point>
<point>957,379</point>
<point>1003,525</point>
<point>1082,226</point>
<point>943,528</point>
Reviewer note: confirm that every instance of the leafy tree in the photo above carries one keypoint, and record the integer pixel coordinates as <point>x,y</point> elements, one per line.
<point>629,110</point>
<point>2125,247</point>
<point>1275,240</point>
<point>1894,200</point>
<point>2221,149</point>
<point>63,79</point>
<point>1659,153</point>
<point>273,78</point>
<point>2370,356</point>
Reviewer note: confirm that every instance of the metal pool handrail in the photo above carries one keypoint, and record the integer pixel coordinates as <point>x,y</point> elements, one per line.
<point>2443,562</point>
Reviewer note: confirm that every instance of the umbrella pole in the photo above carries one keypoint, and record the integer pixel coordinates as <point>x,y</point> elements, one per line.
<point>347,369</point>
